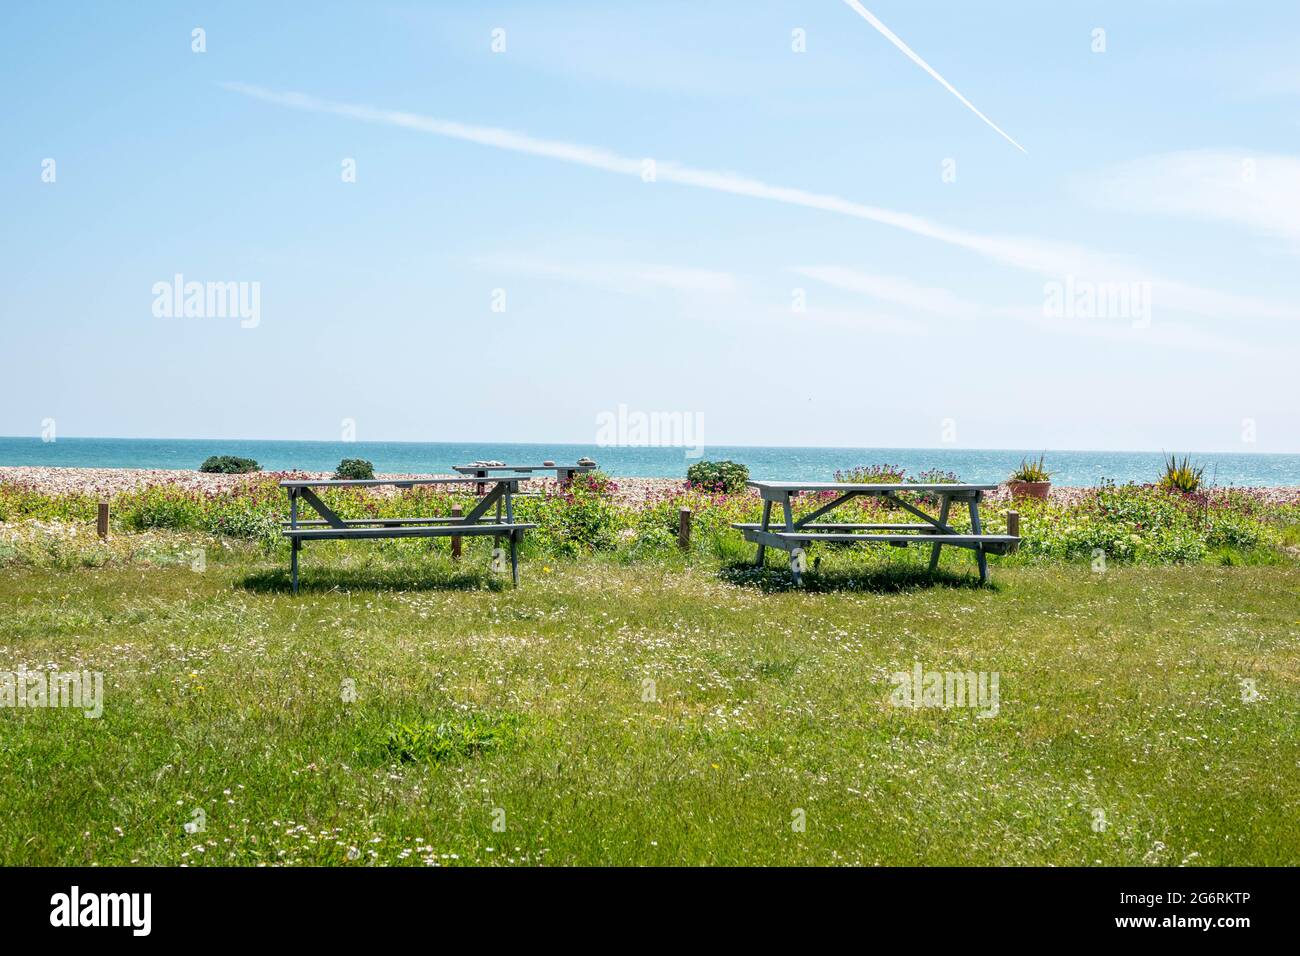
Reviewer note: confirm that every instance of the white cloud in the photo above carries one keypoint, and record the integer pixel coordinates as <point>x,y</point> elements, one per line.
<point>621,276</point>
<point>1259,192</point>
<point>931,300</point>
<point>1045,257</point>
<point>895,290</point>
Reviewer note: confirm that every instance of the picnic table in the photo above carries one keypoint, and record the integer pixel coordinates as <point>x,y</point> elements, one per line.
<point>792,536</point>
<point>330,526</point>
<point>481,470</point>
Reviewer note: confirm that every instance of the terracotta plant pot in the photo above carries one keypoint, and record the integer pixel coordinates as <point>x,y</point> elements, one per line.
<point>1030,489</point>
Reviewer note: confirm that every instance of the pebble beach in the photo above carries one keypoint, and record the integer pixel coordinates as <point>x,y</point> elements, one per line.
<point>631,491</point>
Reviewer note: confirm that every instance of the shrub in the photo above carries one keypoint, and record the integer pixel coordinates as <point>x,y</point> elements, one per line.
<point>935,476</point>
<point>229,465</point>
<point>873,475</point>
<point>1181,476</point>
<point>354,469</point>
<point>579,518</point>
<point>726,476</point>
<point>160,506</point>
<point>1031,471</point>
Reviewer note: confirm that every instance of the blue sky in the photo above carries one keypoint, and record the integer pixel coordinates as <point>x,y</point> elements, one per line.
<point>1167,165</point>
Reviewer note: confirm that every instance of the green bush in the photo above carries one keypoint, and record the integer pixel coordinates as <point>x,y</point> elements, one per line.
<point>727,476</point>
<point>355,469</point>
<point>229,465</point>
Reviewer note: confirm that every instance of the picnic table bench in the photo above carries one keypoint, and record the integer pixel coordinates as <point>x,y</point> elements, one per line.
<point>330,526</point>
<point>791,535</point>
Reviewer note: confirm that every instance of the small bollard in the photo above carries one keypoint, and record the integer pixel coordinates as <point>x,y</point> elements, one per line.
<point>455,541</point>
<point>1013,528</point>
<point>684,529</point>
<point>101,523</point>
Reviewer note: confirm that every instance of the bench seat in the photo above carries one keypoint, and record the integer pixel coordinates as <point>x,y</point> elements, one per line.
<point>832,526</point>
<point>408,531</point>
<point>989,543</point>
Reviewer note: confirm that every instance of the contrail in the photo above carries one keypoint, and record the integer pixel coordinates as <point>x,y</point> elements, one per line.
<point>893,38</point>
<point>1036,255</point>
<point>1046,257</point>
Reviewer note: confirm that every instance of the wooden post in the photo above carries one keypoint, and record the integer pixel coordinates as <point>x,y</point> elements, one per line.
<point>684,529</point>
<point>455,541</point>
<point>1013,528</point>
<point>101,524</point>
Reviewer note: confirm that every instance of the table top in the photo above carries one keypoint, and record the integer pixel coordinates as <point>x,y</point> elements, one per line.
<point>867,488</point>
<point>477,468</point>
<point>400,482</point>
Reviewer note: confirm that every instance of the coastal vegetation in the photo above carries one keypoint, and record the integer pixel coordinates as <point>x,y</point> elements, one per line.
<point>725,476</point>
<point>228,465</point>
<point>1142,524</point>
<point>354,469</point>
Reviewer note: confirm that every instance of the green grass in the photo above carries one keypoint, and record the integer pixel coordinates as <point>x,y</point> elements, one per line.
<point>654,712</point>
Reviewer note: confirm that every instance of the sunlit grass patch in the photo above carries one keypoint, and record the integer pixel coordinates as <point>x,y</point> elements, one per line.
<point>449,738</point>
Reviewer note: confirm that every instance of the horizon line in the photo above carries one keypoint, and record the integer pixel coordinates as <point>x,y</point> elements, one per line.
<point>590,445</point>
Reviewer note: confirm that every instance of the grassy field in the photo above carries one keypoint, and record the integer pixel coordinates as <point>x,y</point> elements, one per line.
<point>407,710</point>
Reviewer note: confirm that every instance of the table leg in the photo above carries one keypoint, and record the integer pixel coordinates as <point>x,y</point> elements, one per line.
<point>767,517</point>
<point>294,543</point>
<point>796,554</point>
<point>496,538</point>
<point>514,538</point>
<point>945,502</point>
<point>979,548</point>
<point>514,556</point>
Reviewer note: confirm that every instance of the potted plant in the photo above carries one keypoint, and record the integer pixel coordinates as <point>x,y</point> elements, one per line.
<point>1181,476</point>
<point>1030,480</point>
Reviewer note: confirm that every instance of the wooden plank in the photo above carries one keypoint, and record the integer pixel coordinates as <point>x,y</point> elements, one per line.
<point>979,548</point>
<point>398,482</point>
<point>943,520</point>
<point>322,509</point>
<point>684,529</point>
<point>782,486</point>
<point>835,526</point>
<point>422,531</point>
<point>483,469</point>
<point>767,518</point>
<point>101,521</point>
<point>383,522</point>
<point>918,538</point>
<point>824,509</point>
<point>487,501</point>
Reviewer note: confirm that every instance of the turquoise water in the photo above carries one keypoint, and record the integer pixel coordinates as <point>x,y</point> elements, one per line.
<point>1071,468</point>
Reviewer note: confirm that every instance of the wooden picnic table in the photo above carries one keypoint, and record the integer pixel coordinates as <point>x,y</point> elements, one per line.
<point>564,472</point>
<point>791,535</point>
<point>330,526</point>
<point>481,471</point>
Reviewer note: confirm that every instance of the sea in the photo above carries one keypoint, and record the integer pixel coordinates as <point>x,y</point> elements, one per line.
<point>1069,468</point>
